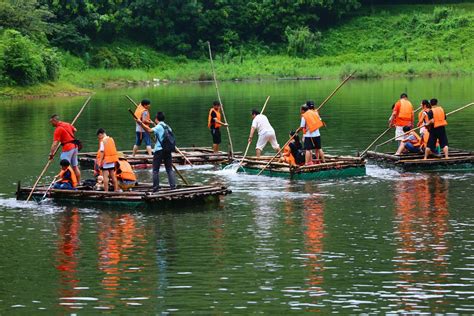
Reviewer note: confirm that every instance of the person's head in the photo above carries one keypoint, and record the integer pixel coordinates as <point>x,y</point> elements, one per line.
<point>310,105</point>
<point>64,164</point>
<point>303,108</point>
<point>145,102</point>
<point>160,117</point>
<point>296,138</point>
<point>434,102</point>
<point>403,96</point>
<point>425,103</point>
<point>100,133</point>
<point>406,128</point>
<point>216,105</point>
<point>255,112</point>
<point>54,119</point>
<point>100,180</point>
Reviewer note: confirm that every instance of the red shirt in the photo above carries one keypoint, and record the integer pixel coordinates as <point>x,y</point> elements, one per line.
<point>64,133</point>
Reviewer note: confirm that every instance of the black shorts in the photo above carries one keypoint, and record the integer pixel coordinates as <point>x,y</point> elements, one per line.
<point>438,133</point>
<point>107,169</point>
<point>312,143</point>
<point>216,136</point>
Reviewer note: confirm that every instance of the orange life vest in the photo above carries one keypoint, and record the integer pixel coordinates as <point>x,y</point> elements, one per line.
<point>73,179</point>
<point>422,118</point>
<point>288,156</point>
<point>439,117</point>
<point>418,142</point>
<point>110,151</point>
<point>406,110</point>
<point>139,112</point>
<point>126,171</point>
<point>313,121</point>
<point>218,118</point>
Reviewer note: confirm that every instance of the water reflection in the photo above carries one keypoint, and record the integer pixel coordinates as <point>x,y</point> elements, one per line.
<point>67,258</point>
<point>421,261</point>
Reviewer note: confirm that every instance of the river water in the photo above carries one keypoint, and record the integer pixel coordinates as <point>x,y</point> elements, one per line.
<point>386,242</point>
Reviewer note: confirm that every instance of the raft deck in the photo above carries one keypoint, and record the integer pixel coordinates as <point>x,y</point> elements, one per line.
<point>141,194</point>
<point>197,156</point>
<point>458,160</point>
<point>333,167</point>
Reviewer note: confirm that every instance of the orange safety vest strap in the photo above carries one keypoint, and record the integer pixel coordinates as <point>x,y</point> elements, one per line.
<point>439,117</point>
<point>418,140</point>
<point>110,151</point>
<point>139,112</point>
<point>218,118</point>
<point>126,171</point>
<point>73,179</point>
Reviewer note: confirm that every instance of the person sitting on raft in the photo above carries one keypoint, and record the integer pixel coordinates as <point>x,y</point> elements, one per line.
<point>293,153</point>
<point>125,176</point>
<point>410,142</point>
<point>67,177</point>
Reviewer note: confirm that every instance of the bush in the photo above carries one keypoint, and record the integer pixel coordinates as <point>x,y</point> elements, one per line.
<point>104,58</point>
<point>51,63</point>
<point>22,59</point>
<point>301,41</point>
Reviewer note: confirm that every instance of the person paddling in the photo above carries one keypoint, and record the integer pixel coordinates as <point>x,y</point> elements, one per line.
<point>143,113</point>
<point>311,123</point>
<point>64,135</point>
<point>266,133</point>
<point>402,115</point>
<point>436,126</point>
<point>214,123</point>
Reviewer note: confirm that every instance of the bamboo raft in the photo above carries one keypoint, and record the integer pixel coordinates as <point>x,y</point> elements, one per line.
<point>334,167</point>
<point>197,156</point>
<point>141,194</point>
<point>458,160</point>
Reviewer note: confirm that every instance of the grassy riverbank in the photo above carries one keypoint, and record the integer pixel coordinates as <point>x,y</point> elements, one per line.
<point>381,41</point>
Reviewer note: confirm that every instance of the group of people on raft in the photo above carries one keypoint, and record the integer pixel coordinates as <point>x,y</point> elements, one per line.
<point>111,166</point>
<point>431,123</point>
<point>294,153</point>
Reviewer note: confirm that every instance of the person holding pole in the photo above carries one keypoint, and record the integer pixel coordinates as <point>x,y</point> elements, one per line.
<point>266,133</point>
<point>436,126</point>
<point>311,123</point>
<point>143,113</point>
<point>402,115</point>
<point>159,154</point>
<point>214,122</point>
<point>64,135</point>
<point>107,158</point>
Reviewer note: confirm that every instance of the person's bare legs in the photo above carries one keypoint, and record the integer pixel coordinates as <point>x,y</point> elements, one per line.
<point>321,155</point>
<point>105,174</point>
<point>427,153</point>
<point>114,180</point>
<point>149,151</point>
<point>258,152</point>
<point>215,148</point>
<point>135,149</point>
<point>308,156</point>
<point>445,150</point>
<point>400,148</point>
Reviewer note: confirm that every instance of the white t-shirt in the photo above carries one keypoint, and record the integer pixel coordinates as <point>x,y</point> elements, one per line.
<point>308,133</point>
<point>262,125</point>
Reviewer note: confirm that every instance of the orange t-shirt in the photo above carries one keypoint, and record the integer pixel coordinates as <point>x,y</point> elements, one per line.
<point>64,133</point>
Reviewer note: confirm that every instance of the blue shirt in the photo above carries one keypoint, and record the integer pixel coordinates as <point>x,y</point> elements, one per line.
<point>160,135</point>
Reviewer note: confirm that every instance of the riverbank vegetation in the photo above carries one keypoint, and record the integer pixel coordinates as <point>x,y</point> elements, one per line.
<point>70,46</point>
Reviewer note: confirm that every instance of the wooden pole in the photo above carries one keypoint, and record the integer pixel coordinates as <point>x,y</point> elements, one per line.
<point>416,128</point>
<point>371,144</point>
<point>177,149</point>
<point>248,143</point>
<point>281,149</point>
<point>335,90</point>
<point>174,167</point>
<point>220,101</point>
<point>55,151</point>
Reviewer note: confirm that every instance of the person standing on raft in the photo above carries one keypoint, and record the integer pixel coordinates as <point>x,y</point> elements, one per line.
<point>107,158</point>
<point>214,123</point>
<point>266,133</point>
<point>143,113</point>
<point>311,123</point>
<point>436,126</point>
<point>402,115</point>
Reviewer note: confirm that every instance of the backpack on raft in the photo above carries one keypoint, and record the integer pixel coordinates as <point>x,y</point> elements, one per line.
<point>169,141</point>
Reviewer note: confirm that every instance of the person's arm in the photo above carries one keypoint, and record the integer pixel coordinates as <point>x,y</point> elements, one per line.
<point>53,148</point>
<point>101,154</point>
<point>220,122</point>
<point>252,131</point>
<point>395,111</point>
<point>146,117</point>
<point>145,127</point>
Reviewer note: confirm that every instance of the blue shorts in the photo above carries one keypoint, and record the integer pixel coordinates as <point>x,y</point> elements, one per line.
<point>409,146</point>
<point>63,186</point>
<point>70,156</point>
<point>142,136</point>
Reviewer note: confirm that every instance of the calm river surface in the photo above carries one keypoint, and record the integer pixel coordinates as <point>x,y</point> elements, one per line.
<point>386,242</point>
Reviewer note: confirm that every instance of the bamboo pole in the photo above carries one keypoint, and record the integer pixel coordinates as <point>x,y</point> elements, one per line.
<point>177,149</point>
<point>248,143</point>
<point>220,101</point>
<point>417,128</point>
<point>172,164</point>
<point>55,151</point>
<point>335,90</point>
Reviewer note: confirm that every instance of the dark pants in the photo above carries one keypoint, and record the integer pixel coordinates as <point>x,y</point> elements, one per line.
<point>158,157</point>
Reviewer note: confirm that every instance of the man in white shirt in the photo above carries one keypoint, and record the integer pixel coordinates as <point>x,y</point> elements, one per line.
<point>266,133</point>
